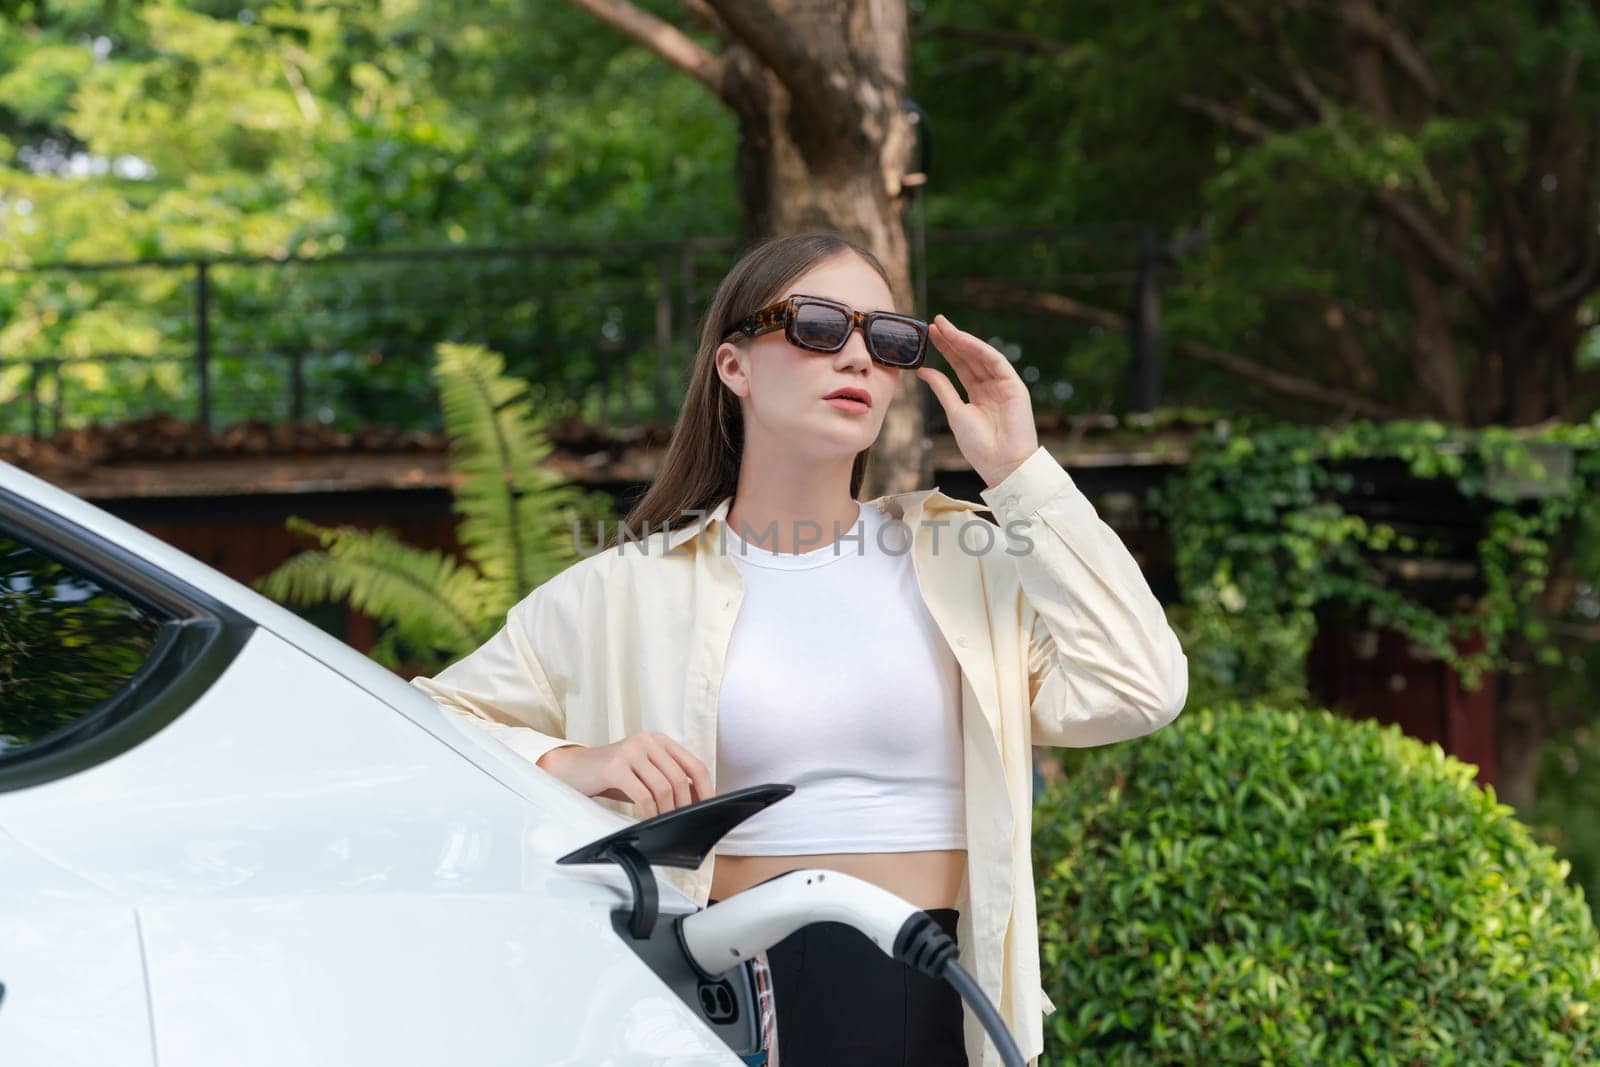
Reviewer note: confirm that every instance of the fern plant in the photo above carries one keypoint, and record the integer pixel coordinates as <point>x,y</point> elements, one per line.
<point>515,522</point>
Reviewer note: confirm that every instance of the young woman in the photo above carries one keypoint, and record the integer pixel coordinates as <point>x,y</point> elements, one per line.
<point>895,659</point>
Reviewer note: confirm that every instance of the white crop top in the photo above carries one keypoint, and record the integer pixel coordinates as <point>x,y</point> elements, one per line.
<point>839,682</point>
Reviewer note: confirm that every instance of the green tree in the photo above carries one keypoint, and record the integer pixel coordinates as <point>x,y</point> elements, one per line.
<point>1401,201</point>
<point>175,128</point>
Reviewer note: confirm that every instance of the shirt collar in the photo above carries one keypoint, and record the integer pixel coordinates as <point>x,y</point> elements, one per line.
<point>908,506</point>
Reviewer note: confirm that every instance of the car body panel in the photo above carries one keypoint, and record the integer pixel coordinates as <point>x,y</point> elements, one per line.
<point>70,963</point>
<point>482,981</point>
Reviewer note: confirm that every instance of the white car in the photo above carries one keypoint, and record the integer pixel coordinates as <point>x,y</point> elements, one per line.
<point>227,839</point>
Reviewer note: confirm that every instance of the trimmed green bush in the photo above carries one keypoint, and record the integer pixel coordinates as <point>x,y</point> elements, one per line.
<point>1259,885</point>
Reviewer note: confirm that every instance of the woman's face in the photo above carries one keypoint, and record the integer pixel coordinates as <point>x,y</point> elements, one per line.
<point>783,388</point>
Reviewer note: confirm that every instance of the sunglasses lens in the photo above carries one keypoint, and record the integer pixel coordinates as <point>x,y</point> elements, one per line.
<point>896,342</point>
<point>820,326</point>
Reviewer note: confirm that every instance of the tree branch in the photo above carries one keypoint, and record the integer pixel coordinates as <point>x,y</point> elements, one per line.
<point>1304,84</point>
<point>1282,105</point>
<point>814,84</point>
<point>1364,19</point>
<point>988,294</point>
<point>1574,289</point>
<point>1246,126</point>
<point>701,15</point>
<point>665,39</point>
<point>995,295</point>
<point>1288,384</point>
<point>1336,316</point>
<point>1415,222</point>
<point>1265,34</point>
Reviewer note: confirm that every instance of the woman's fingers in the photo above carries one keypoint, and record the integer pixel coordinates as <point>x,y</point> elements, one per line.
<point>658,784</point>
<point>944,340</point>
<point>650,770</point>
<point>939,382</point>
<point>677,780</point>
<point>636,792</point>
<point>699,773</point>
<point>972,359</point>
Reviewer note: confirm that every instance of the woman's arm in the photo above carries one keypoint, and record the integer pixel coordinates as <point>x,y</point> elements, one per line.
<point>1103,662</point>
<point>502,687</point>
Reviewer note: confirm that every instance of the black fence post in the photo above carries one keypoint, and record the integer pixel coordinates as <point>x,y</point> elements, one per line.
<point>59,401</point>
<point>33,401</point>
<point>202,339</point>
<point>1144,329</point>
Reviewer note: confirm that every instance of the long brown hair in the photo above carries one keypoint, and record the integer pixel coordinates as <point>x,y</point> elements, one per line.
<point>703,454</point>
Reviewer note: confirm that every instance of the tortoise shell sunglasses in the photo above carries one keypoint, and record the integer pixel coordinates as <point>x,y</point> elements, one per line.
<point>822,325</point>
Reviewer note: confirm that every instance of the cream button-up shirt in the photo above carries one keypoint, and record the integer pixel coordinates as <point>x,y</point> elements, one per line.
<point>1058,636</point>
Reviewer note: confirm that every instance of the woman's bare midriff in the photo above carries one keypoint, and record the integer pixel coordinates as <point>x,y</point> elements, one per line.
<point>926,879</point>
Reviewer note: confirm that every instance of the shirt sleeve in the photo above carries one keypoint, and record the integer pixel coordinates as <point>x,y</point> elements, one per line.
<point>1103,662</point>
<point>503,689</point>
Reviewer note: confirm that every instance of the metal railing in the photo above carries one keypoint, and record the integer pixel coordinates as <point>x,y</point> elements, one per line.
<point>605,330</point>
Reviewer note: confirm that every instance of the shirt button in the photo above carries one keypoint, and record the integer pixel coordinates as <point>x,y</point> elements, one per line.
<point>1011,501</point>
<point>962,641</point>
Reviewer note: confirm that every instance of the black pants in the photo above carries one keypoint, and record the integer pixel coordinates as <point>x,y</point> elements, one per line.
<point>843,1002</point>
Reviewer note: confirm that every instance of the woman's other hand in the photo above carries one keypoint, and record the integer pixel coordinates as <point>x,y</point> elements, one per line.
<point>994,426</point>
<point>651,770</point>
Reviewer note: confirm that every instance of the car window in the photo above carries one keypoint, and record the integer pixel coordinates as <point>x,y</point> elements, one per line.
<point>67,644</point>
<point>101,647</point>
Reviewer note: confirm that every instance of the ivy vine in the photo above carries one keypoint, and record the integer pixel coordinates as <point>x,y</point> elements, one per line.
<point>1262,542</point>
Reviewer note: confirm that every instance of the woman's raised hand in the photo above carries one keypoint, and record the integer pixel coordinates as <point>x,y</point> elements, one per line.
<point>994,426</point>
<point>652,770</point>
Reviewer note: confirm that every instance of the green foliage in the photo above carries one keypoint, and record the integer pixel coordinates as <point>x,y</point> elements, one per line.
<point>515,515</point>
<point>516,522</point>
<point>272,127</point>
<point>1253,884</point>
<point>268,127</point>
<point>1300,141</point>
<point>1262,544</point>
<point>172,128</point>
